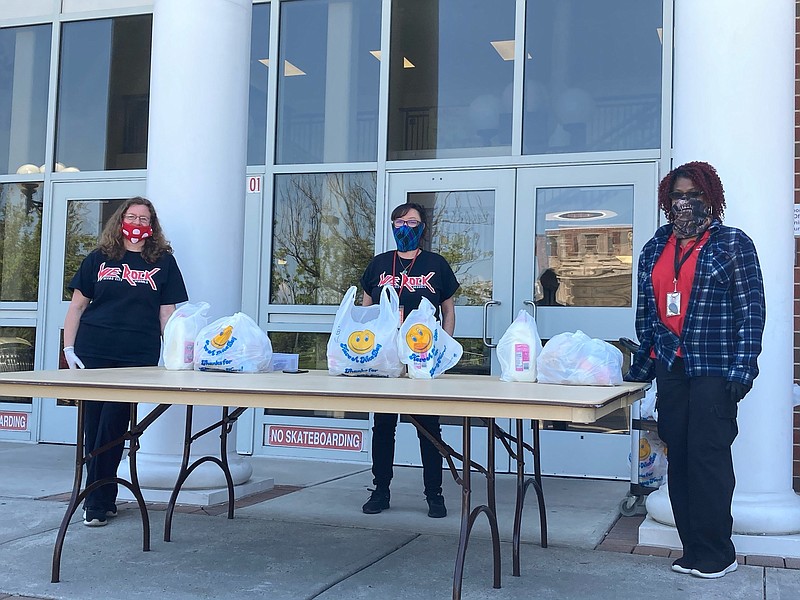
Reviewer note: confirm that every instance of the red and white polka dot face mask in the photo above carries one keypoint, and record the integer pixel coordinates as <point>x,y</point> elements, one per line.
<point>136,232</point>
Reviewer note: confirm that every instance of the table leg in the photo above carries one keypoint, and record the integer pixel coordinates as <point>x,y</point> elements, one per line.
<point>225,424</point>
<point>75,497</point>
<point>522,488</point>
<point>135,430</point>
<point>469,515</point>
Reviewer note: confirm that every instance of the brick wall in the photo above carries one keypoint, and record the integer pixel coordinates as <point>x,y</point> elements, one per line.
<point>796,452</point>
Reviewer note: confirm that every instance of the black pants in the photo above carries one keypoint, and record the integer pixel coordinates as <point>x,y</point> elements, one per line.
<point>383,430</point>
<point>697,422</point>
<point>103,423</point>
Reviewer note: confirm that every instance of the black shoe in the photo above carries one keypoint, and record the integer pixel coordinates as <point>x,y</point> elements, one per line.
<point>378,501</point>
<point>682,565</point>
<point>110,513</point>
<point>436,507</point>
<point>94,518</point>
<point>716,574</point>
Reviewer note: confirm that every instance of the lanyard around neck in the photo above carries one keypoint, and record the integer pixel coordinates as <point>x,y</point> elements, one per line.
<point>395,258</point>
<point>680,260</point>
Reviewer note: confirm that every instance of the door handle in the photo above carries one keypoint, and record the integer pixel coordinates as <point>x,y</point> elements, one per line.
<point>532,304</point>
<point>486,306</point>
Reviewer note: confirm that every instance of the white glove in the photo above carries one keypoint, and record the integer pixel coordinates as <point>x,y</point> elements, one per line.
<point>72,360</point>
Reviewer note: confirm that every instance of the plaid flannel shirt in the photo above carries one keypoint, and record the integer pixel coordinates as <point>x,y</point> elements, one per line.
<point>724,321</point>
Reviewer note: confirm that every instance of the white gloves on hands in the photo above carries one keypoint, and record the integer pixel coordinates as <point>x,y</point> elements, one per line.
<point>72,360</point>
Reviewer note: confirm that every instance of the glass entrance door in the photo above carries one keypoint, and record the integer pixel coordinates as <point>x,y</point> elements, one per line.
<point>79,212</point>
<point>561,242</point>
<point>578,267</point>
<point>470,215</point>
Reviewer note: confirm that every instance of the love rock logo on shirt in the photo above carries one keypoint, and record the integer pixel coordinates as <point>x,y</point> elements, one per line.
<point>410,283</point>
<point>132,276</point>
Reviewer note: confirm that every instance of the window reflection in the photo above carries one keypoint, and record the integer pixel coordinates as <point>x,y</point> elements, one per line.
<point>462,230</point>
<point>259,62</point>
<point>24,75</point>
<point>594,79</point>
<point>323,235</point>
<point>103,95</point>
<point>85,222</point>
<point>584,246</point>
<point>451,78</point>
<point>20,241</point>
<point>312,348</point>
<point>328,81</point>
<point>476,360</point>
<point>17,348</point>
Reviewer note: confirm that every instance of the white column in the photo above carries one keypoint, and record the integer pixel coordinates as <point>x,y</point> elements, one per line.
<point>734,107</point>
<point>196,180</point>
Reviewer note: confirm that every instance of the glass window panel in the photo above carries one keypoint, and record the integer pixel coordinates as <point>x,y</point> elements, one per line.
<point>476,360</point>
<point>104,94</point>
<point>328,82</point>
<point>85,222</point>
<point>584,246</point>
<point>24,76</point>
<point>593,81</point>
<point>451,78</point>
<point>17,349</point>
<point>20,241</point>
<point>259,63</point>
<point>323,235</point>
<point>312,348</point>
<point>462,231</point>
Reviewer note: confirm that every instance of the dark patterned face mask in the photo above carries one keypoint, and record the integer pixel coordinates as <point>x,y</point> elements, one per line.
<point>690,217</point>
<point>407,238</point>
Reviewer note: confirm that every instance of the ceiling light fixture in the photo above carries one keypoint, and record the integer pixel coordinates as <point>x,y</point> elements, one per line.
<point>407,64</point>
<point>289,70</point>
<point>506,48</point>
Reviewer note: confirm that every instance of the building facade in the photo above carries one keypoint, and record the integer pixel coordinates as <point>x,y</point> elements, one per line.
<point>533,131</point>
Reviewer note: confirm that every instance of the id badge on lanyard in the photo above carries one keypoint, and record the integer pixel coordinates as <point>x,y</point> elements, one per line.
<point>674,297</point>
<point>673,304</point>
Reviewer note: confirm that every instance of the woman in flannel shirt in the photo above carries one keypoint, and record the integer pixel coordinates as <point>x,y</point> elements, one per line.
<point>699,319</point>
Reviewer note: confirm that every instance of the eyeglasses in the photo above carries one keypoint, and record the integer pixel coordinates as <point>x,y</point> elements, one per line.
<point>693,195</point>
<point>409,222</point>
<point>131,218</point>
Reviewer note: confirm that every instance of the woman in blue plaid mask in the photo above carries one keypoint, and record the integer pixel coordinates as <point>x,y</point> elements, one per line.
<point>415,273</point>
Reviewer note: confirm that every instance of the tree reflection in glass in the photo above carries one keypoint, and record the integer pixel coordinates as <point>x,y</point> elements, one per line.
<point>85,222</point>
<point>20,241</point>
<point>323,235</point>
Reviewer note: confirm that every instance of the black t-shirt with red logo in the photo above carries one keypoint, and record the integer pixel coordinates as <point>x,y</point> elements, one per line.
<point>430,276</point>
<point>122,319</point>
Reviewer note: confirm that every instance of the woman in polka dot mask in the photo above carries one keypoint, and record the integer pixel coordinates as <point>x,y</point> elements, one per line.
<point>122,296</point>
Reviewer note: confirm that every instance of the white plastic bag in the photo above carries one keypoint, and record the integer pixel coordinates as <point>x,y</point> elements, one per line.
<point>364,338</point>
<point>648,408</point>
<point>180,333</point>
<point>652,460</point>
<point>518,348</point>
<point>424,346</point>
<point>577,359</point>
<point>235,343</point>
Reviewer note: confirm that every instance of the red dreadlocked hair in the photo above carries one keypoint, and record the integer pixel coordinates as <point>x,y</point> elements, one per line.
<point>704,177</point>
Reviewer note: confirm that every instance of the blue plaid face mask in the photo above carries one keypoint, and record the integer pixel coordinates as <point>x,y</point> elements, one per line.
<point>407,238</point>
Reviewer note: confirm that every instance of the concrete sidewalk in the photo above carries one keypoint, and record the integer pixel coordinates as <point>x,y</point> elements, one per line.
<point>309,539</point>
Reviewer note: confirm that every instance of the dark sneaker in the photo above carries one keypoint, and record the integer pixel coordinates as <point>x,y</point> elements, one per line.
<point>682,565</point>
<point>378,501</point>
<point>94,518</point>
<point>112,512</point>
<point>436,507</point>
<point>716,574</point>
